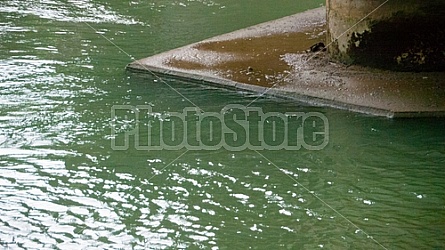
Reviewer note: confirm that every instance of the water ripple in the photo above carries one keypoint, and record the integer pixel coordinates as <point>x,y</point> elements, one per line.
<point>87,11</point>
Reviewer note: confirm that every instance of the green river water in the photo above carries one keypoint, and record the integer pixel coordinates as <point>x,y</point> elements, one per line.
<point>378,184</point>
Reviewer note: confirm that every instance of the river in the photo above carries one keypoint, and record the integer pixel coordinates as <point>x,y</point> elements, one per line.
<point>377,184</point>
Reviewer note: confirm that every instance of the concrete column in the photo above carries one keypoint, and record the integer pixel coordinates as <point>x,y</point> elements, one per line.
<point>403,35</point>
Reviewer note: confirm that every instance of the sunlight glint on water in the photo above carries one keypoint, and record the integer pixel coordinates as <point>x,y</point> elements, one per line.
<point>62,185</point>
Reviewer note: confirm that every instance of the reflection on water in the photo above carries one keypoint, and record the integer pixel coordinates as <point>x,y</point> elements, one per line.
<point>66,11</point>
<point>62,186</point>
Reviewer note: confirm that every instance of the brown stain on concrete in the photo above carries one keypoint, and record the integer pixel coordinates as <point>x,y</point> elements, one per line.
<point>256,60</point>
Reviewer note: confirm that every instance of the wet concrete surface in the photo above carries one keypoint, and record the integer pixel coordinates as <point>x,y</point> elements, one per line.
<point>254,60</point>
<point>273,58</point>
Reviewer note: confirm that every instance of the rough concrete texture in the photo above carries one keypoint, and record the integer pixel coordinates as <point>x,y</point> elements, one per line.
<point>402,35</point>
<point>272,59</point>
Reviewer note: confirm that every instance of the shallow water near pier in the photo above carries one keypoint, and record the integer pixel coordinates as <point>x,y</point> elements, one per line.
<point>379,183</point>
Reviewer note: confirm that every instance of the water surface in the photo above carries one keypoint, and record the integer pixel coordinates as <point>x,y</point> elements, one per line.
<point>378,184</point>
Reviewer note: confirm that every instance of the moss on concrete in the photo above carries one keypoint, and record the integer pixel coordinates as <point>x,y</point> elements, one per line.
<point>401,43</point>
<point>401,35</point>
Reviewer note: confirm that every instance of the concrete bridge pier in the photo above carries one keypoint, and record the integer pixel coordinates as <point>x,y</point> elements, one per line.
<point>402,35</point>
